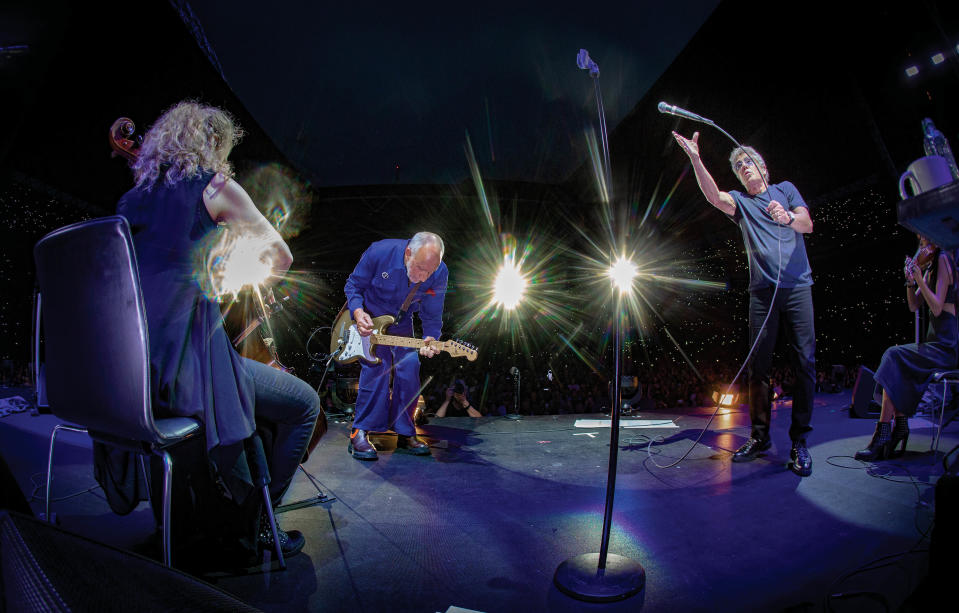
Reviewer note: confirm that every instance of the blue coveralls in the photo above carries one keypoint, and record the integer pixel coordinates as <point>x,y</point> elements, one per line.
<point>379,284</point>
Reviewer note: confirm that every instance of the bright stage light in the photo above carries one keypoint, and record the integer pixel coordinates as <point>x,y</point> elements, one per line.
<point>509,287</point>
<point>241,263</point>
<point>938,58</point>
<point>622,273</point>
<point>912,71</point>
<point>728,400</point>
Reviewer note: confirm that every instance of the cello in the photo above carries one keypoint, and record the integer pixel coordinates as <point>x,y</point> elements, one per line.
<point>247,315</point>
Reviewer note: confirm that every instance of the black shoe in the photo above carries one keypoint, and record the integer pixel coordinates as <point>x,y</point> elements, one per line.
<point>751,450</point>
<point>801,459</point>
<point>412,445</point>
<point>879,446</point>
<point>900,432</point>
<point>290,542</point>
<point>360,447</point>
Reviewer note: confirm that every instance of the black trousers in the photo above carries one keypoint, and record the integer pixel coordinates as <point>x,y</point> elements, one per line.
<point>793,312</point>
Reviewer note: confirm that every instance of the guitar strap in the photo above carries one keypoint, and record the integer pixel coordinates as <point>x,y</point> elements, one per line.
<point>406,303</point>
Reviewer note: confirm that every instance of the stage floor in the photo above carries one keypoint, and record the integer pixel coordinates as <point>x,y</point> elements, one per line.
<point>484,522</point>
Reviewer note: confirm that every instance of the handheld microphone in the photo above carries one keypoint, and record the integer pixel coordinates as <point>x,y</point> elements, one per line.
<point>583,61</point>
<point>671,109</point>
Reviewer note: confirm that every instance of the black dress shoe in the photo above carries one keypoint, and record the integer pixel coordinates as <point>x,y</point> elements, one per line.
<point>751,450</point>
<point>412,444</point>
<point>360,446</point>
<point>801,459</point>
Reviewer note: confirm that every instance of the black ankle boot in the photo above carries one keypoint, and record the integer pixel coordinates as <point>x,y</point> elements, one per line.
<point>290,542</point>
<point>900,432</point>
<point>879,448</point>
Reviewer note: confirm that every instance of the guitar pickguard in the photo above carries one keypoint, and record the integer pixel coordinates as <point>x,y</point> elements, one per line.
<point>350,345</point>
<point>356,346</point>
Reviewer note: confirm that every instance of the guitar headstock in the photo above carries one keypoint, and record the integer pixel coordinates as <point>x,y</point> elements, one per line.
<point>458,349</point>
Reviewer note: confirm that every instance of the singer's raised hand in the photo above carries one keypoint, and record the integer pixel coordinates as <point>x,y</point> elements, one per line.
<point>689,145</point>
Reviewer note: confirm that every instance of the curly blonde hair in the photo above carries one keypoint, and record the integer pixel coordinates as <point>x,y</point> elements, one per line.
<point>188,139</point>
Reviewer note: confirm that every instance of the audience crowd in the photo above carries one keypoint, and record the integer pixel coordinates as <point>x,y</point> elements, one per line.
<point>562,387</point>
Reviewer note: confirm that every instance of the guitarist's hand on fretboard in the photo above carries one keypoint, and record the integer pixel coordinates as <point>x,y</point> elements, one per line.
<point>428,350</point>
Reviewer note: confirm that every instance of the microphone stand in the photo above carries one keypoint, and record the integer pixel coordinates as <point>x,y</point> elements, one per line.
<point>604,577</point>
<point>515,415</point>
<point>603,135</point>
<point>585,62</point>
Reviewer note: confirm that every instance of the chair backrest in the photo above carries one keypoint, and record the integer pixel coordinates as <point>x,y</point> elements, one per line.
<point>95,329</point>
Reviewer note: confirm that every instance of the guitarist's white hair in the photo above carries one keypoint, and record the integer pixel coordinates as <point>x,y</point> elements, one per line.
<point>426,238</point>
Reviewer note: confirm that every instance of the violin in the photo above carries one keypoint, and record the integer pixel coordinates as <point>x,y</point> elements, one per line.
<point>925,255</point>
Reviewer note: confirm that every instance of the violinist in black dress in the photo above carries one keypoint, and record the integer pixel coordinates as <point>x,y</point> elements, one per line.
<point>905,369</point>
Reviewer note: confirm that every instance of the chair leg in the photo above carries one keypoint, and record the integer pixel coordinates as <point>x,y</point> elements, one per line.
<point>167,503</point>
<point>942,413</point>
<point>53,440</point>
<point>146,476</point>
<point>277,547</point>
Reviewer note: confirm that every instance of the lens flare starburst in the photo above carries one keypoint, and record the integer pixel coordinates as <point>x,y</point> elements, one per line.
<point>509,286</point>
<point>622,273</point>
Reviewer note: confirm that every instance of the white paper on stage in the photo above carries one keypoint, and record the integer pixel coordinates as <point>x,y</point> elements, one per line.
<point>626,423</point>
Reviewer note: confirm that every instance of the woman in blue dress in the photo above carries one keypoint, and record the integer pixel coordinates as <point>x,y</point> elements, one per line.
<point>184,190</point>
<point>904,369</point>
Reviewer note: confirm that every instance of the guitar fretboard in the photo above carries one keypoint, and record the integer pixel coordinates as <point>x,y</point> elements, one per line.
<point>404,341</point>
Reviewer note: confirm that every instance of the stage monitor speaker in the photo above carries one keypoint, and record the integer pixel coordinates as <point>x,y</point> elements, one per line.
<point>45,568</point>
<point>937,586</point>
<point>863,395</point>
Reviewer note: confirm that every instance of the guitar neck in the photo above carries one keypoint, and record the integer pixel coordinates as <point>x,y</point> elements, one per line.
<point>405,341</point>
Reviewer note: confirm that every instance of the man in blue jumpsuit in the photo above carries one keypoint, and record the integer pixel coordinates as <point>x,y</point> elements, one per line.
<point>381,282</point>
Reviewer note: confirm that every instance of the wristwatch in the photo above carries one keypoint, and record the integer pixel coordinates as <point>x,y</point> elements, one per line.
<point>792,217</point>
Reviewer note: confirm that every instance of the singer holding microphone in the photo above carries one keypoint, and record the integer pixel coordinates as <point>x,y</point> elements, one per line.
<point>772,218</point>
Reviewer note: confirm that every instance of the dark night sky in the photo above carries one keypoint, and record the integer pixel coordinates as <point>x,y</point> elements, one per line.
<point>350,90</point>
<point>346,94</point>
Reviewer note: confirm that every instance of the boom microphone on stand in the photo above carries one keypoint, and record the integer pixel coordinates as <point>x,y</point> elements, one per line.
<point>670,109</point>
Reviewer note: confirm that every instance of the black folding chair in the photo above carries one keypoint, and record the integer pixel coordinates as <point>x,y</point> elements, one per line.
<point>97,352</point>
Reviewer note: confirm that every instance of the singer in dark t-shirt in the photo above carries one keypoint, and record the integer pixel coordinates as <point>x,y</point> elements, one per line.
<point>772,218</point>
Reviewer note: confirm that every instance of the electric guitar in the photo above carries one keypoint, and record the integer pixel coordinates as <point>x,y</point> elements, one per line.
<point>348,346</point>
